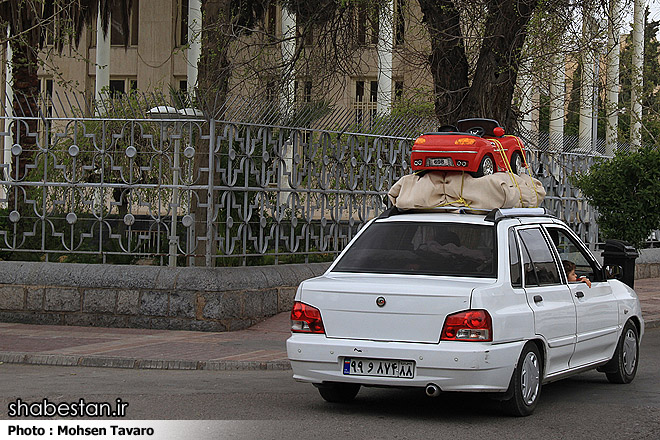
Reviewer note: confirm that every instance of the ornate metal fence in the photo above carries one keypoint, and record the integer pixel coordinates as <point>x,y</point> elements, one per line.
<point>191,192</point>
<point>184,191</point>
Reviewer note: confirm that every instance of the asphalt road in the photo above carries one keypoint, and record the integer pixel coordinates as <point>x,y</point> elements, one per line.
<point>269,404</point>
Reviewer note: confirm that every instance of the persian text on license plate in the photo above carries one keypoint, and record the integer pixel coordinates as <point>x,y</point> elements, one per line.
<point>379,367</point>
<point>440,162</point>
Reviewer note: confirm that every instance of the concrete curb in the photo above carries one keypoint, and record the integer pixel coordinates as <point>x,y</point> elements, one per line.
<point>651,324</point>
<point>139,364</point>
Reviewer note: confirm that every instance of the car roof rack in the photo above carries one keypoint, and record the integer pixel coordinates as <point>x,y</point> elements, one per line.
<point>446,209</point>
<point>501,213</point>
<point>494,215</point>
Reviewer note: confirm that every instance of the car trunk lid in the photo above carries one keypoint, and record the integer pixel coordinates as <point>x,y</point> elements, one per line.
<point>414,309</point>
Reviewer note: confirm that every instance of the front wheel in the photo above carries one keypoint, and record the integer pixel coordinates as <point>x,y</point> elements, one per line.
<point>624,362</point>
<point>525,385</point>
<point>338,392</point>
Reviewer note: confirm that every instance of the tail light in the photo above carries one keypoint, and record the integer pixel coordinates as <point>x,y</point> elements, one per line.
<point>469,325</point>
<point>306,319</point>
<point>464,141</point>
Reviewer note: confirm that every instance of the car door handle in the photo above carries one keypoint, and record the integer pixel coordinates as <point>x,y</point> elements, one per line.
<point>538,298</point>
<point>579,294</point>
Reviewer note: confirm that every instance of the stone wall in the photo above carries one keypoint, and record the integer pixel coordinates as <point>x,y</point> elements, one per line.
<point>647,270</point>
<point>187,298</point>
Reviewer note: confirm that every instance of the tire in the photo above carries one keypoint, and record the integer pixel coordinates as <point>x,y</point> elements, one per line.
<point>623,366</point>
<point>486,167</point>
<point>517,164</point>
<point>339,392</point>
<point>525,386</point>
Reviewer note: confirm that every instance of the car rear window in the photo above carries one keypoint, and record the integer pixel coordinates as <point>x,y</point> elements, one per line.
<point>424,248</point>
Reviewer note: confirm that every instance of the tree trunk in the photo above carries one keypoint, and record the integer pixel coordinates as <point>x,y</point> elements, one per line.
<point>491,91</point>
<point>495,77</point>
<point>213,82</point>
<point>448,61</point>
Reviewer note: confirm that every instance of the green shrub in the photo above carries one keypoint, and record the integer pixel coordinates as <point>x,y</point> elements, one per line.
<point>626,192</point>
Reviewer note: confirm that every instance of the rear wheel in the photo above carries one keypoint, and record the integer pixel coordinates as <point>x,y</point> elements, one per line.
<point>338,392</point>
<point>525,385</point>
<point>623,366</point>
<point>486,167</point>
<point>517,165</point>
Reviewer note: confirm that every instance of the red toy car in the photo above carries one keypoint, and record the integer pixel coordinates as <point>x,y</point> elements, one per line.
<point>477,146</point>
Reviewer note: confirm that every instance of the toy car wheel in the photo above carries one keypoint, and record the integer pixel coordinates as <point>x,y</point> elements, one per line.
<point>517,165</point>
<point>486,167</point>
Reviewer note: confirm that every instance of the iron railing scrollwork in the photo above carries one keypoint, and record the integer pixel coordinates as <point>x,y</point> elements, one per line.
<point>193,192</point>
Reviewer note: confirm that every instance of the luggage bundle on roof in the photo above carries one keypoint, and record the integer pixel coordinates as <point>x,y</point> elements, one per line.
<point>446,188</point>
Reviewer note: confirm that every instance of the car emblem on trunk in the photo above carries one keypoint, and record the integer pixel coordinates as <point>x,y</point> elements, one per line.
<point>380,301</point>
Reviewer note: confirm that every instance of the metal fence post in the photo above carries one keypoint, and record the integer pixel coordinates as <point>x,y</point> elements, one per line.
<point>174,205</point>
<point>208,262</point>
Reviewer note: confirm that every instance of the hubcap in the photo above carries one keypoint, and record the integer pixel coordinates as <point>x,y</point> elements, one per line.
<point>488,167</point>
<point>518,165</point>
<point>530,378</point>
<point>629,352</point>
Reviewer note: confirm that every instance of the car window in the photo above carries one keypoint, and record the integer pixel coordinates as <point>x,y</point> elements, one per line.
<point>542,261</point>
<point>569,250</point>
<point>514,260</point>
<point>528,268</point>
<point>425,248</point>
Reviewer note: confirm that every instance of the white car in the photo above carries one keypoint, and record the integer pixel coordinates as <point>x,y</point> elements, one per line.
<point>462,302</point>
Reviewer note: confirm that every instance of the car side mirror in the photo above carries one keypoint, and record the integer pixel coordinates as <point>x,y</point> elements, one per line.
<point>613,272</point>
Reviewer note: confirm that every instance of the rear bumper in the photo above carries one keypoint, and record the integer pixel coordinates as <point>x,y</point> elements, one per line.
<point>473,158</point>
<point>453,366</point>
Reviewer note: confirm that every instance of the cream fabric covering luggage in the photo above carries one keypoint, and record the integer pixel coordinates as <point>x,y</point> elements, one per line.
<point>450,188</point>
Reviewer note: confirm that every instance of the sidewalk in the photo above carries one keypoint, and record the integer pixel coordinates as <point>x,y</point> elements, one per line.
<point>261,347</point>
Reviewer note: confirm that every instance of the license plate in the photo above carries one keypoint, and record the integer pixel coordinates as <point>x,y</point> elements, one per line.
<point>379,367</point>
<point>440,162</point>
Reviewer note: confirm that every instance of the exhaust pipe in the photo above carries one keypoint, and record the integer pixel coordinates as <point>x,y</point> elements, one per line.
<point>432,390</point>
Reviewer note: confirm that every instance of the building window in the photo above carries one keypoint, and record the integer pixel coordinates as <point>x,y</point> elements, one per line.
<point>398,90</point>
<point>48,31</point>
<point>117,37</point>
<point>181,23</point>
<point>271,91</point>
<point>307,96</point>
<point>304,34</point>
<point>367,24</point>
<point>271,20</point>
<point>46,96</point>
<point>306,93</point>
<point>360,91</point>
<point>366,96</point>
<point>119,86</point>
<point>399,22</point>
